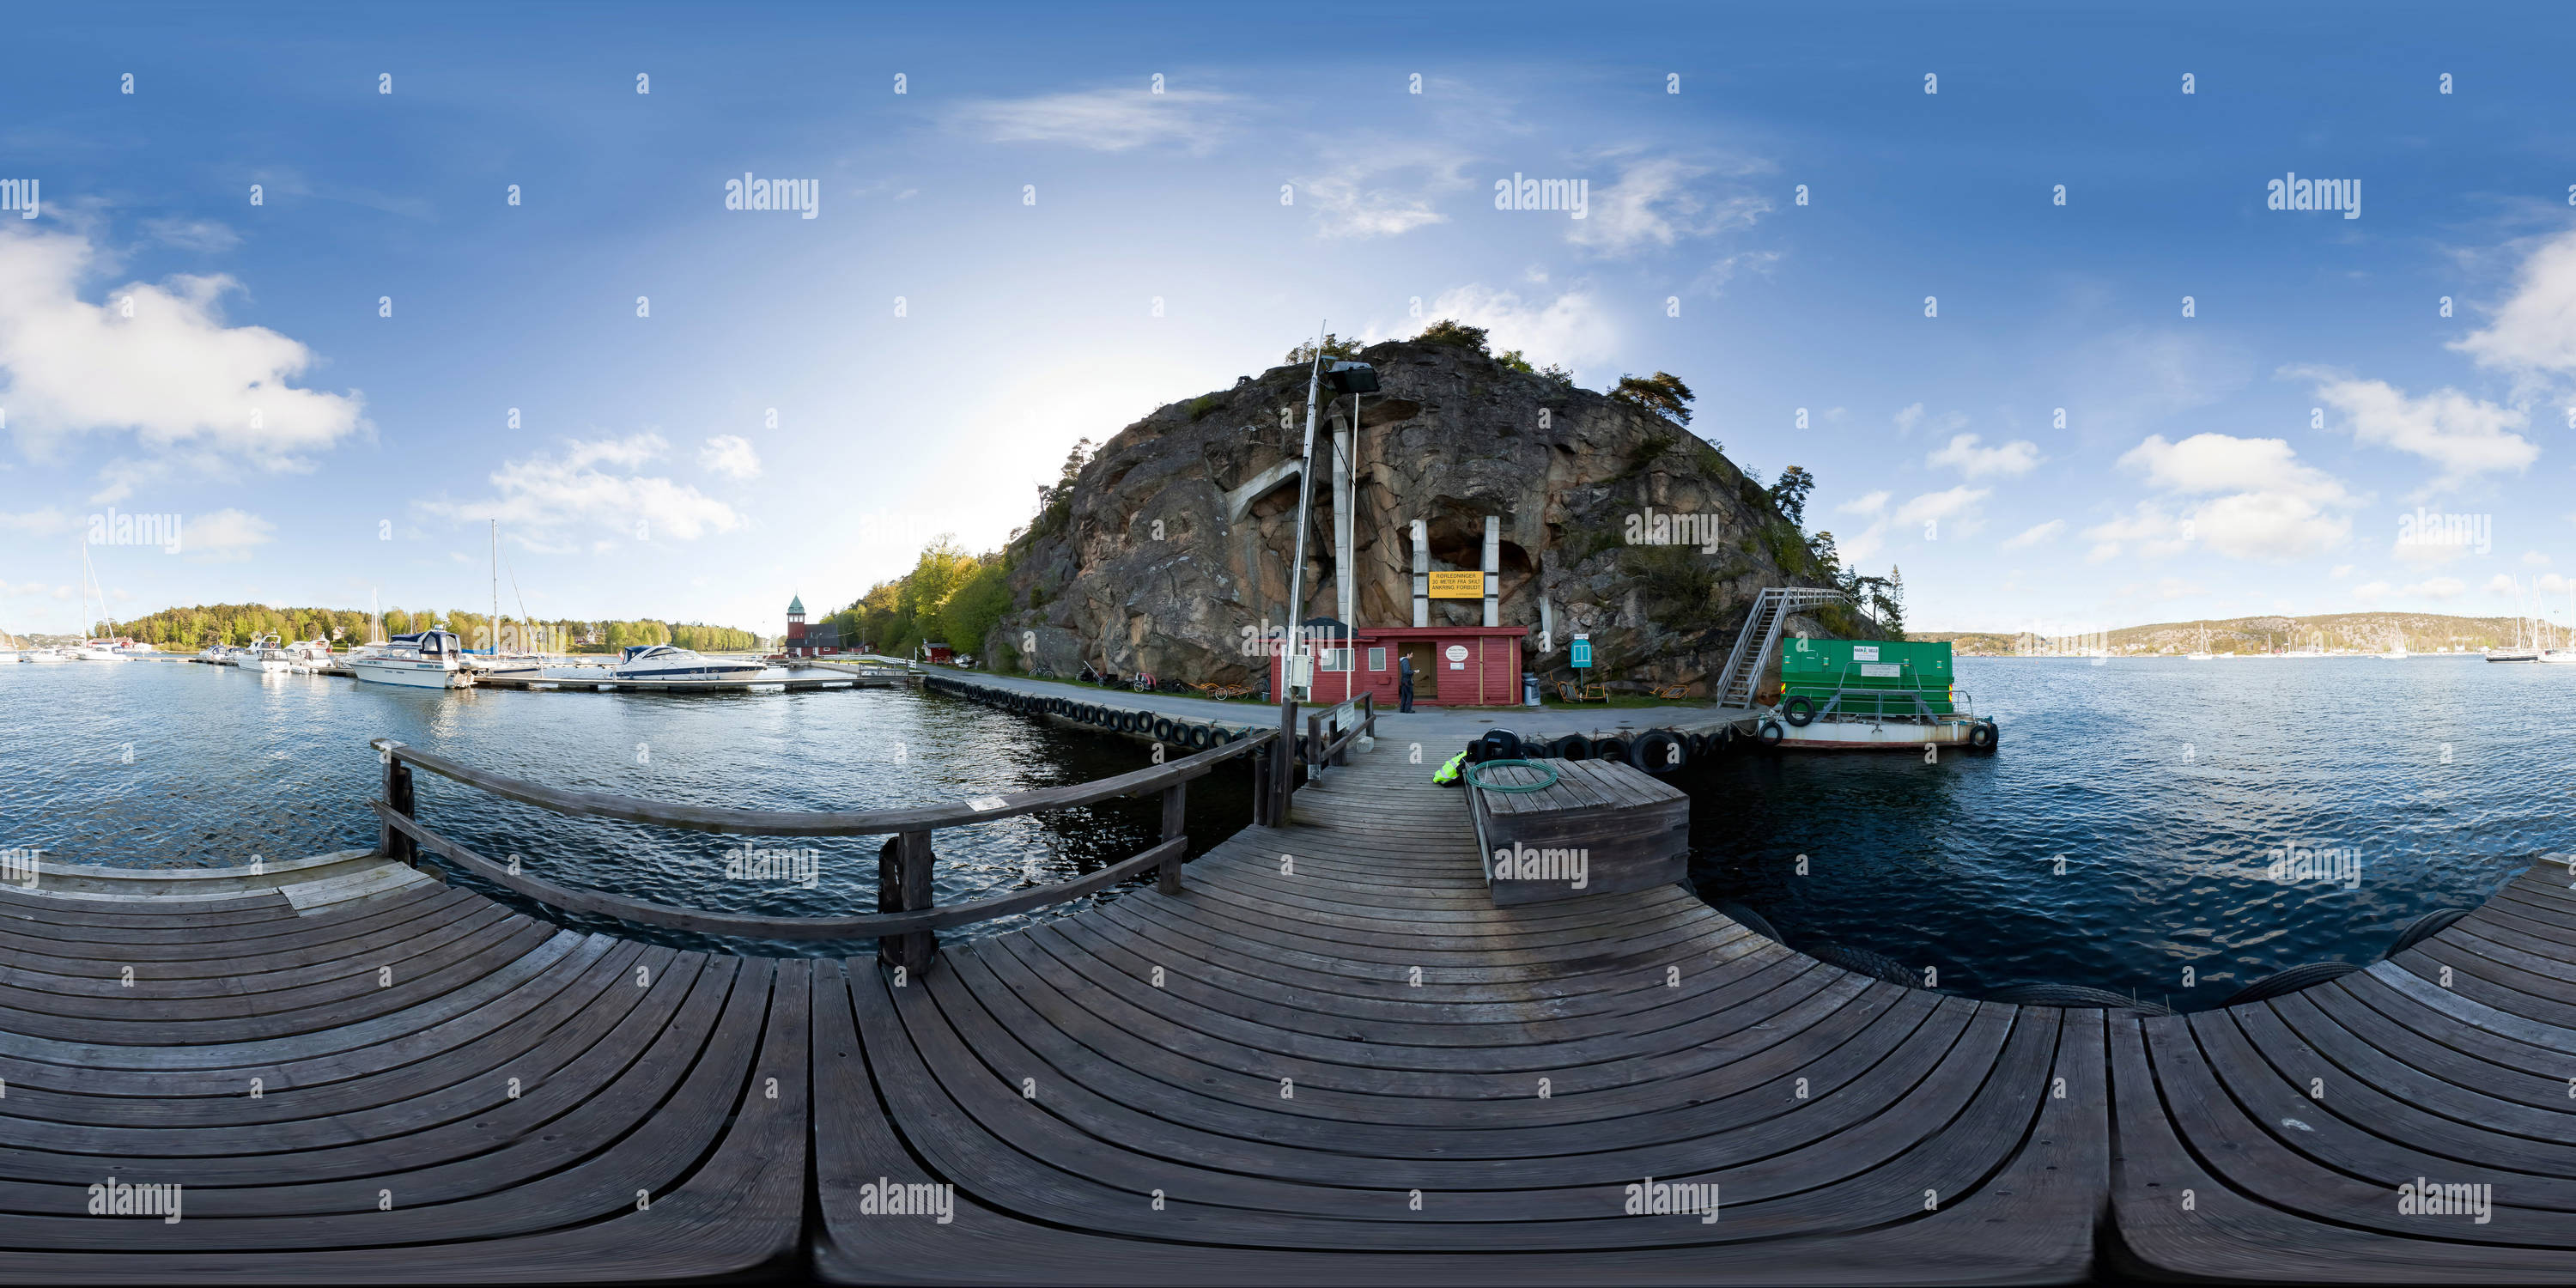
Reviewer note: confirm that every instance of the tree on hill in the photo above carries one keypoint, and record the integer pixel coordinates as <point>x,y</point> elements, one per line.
<point>1789,493</point>
<point>1457,334</point>
<point>1662,393</point>
<point>1335,346</point>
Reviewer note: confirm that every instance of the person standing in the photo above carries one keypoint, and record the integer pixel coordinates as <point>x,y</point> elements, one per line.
<point>1404,684</point>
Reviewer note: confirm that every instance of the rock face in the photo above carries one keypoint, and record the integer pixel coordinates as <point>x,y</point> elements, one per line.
<point>1172,554</point>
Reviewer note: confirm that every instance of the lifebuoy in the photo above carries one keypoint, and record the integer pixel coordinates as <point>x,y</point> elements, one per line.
<point>1799,711</point>
<point>1659,751</point>
<point>1981,736</point>
<point>1772,733</point>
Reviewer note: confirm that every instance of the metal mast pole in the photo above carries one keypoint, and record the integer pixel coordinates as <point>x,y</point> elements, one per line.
<point>1305,498</point>
<point>493,623</point>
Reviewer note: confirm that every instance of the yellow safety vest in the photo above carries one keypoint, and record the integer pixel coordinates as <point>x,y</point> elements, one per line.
<point>1449,772</point>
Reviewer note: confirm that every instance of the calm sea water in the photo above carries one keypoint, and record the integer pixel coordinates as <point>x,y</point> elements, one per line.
<point>227,764</point>
<point>2165,784</point>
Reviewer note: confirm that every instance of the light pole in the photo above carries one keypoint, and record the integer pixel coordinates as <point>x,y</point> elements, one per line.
<point>1290,677</point>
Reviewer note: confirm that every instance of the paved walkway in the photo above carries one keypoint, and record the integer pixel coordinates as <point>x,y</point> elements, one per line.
<point>1428,725</point>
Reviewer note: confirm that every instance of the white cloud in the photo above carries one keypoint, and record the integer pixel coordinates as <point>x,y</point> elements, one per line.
<point>1908,418</point>
<point>1573,329</point>
<point>2339,572</point>
<point>2010,460</point>
<point>173,372</point>
<point>2535,330</point>
<point>1959,503</point>
<point>39,523</point>
<point>1387,191</point>
<point>2036,534</point>
<point>1867,503</point>
<point>545,495</point>
<point>192,234</point>
<point>2264,504</point>
<point>1108,120</point>
<point>2464,436</point>
<point>226,534</point>
<point>1652,202</point>
<point>1713,281</point>
<point>2535,559</point>
<point>2374,592</point>
<point>730,455</point>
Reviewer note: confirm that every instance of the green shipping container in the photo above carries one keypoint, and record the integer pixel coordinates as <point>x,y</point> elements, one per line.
<point>1874,677</point>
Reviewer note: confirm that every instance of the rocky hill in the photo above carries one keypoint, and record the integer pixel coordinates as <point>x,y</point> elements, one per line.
<point>1170,553</point>
<point>2335,633</point>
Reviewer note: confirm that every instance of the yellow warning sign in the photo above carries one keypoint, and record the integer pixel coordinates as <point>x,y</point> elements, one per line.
<point>1457,585</point>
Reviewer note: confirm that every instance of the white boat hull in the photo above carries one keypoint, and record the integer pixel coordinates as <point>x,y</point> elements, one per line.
<point>409,673</point>
<point>1864,735</point>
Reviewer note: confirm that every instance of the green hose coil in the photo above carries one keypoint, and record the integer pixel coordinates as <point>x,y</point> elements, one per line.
<point>1539,765</point>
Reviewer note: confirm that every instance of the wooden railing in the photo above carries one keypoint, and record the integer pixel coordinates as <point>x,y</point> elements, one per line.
<point>1327,742</point>
<point>905,920</point>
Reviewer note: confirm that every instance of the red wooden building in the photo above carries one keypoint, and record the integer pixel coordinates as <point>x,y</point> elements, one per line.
<point>1453,666</point>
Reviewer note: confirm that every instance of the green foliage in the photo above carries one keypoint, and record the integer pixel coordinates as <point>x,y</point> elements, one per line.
<point>1789,494</point>
<point>1648,450</point>
<point>190,629</point>
<point>950,597</point>
<point>1512,358</point>
<point>977,607</point>
<point>1450,331</point>
<point>1678,587</point>
<point>1202,405</point>
<point>1662,393</point>
<point>1334,347</point>
<point>1558,374</point>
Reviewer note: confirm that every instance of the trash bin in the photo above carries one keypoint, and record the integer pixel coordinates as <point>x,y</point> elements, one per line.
<point>1529,688</point>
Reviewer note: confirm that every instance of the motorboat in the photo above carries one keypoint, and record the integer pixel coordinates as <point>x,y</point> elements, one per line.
<point>2556,655</point>
<point>97,651</point>
<point>137,648</point>
<point>422,660</point>
<point>507,666</point>
<point>266,657</point>
<point>309,656</point>
<point>662,662</point>
<point>46,655</point>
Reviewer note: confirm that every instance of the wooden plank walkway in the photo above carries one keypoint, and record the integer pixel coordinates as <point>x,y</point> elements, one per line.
<point>414,1085</point>
<point>1332,1055</point>
<point>1328,1059</point>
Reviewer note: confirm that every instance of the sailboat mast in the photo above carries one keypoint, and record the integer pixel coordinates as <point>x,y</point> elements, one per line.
<point>495,620</point>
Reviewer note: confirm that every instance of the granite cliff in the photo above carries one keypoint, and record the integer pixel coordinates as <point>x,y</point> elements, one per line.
<point>1170,549</point>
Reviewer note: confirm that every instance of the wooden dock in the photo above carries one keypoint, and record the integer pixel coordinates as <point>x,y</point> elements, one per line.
<point>1323,1057</point>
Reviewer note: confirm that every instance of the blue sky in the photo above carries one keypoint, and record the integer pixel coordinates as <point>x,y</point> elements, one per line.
<point>1029,197</point>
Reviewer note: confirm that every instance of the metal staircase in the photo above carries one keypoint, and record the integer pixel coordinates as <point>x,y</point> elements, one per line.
<point>1771,610</point>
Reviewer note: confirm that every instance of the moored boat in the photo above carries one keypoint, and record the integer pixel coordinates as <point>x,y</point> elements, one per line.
<point>666,662</point>
<point>424,660</point>
<point>1862,695</point>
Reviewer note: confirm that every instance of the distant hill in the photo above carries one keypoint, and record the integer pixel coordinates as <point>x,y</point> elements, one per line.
<point>2336,633</point>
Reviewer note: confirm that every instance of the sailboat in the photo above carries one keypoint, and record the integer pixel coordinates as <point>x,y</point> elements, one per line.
<point>493,662</point>
<point>92,650</point>
<point>2519,652</point>
<point>2204,654</point>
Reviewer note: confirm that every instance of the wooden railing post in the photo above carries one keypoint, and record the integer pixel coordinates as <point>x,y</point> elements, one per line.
<point>1261,788</point>
<point>903,885</point>
<point>1313,752</point>
<point>398,794</point>
<point>1175,804</point>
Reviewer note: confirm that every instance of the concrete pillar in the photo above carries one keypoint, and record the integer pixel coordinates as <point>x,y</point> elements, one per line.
<point>1493,570</point>
<point>1421,573</point>
<point>1345,575</point>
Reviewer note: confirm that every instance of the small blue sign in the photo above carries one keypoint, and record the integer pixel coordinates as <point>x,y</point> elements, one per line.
<point>1582,652</point>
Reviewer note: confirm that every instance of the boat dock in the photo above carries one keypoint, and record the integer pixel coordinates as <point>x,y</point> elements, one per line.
<point>1318,1053</point>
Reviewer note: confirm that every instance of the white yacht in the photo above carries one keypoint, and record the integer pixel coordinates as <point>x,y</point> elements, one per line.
<point>45,655</point>
<point>307,657</point>
<point>97,651</point>
<point>671,662</point>
<point>137,648</point>
<point>266,657</point>
<point>425,660</point>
